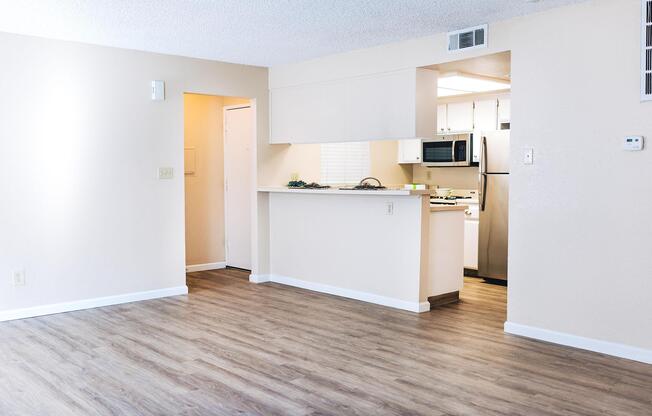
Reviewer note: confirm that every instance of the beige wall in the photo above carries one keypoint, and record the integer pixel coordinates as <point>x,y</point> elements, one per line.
<point>457,178</point>
<point>384,164</point>
<point>82,210</point>
<point>579,263</point>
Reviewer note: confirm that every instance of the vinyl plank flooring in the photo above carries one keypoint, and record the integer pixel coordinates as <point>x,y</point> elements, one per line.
<point>235,348</point>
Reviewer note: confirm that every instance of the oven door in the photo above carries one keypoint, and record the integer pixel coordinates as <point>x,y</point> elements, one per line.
<point>446,152</point>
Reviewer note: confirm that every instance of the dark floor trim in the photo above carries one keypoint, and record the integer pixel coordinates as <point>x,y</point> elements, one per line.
<point>444,299</point>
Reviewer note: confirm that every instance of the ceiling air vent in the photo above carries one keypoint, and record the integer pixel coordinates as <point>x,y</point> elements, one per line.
<point>646,50</point>
<point>472,37</point>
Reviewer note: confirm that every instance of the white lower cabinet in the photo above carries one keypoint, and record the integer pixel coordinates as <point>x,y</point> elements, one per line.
<point>471,235</point>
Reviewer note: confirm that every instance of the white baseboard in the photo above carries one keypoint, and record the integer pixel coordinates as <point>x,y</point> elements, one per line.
<point>206,266</point>
<point>346,293</point>
<point>603,347</point>
<point>11,315</point>
<point>260,278</point>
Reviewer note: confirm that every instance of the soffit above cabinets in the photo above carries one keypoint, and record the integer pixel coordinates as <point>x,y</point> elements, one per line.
<point>388,106</point>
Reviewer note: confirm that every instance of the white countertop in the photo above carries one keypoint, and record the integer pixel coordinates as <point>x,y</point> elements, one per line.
<point>335,191</point>
<point>444,208</point>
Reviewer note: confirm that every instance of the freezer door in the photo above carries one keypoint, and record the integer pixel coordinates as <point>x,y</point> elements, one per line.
<point>494,152</point>
<point>492,242</point>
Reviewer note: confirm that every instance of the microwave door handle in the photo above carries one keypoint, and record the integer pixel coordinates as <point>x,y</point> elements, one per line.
<point>453,151</point>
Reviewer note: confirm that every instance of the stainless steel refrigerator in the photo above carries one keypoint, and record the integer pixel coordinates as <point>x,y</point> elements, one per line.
<point>494,205</point>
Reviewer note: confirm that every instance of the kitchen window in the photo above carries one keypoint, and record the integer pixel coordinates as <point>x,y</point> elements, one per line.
<point>344,163</point>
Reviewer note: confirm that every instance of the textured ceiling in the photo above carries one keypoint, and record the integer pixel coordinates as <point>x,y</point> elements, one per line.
<point>255,32</point>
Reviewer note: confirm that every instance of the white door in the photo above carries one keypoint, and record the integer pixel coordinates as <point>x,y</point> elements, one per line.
<point>238,140</point>
<point>460,116</point>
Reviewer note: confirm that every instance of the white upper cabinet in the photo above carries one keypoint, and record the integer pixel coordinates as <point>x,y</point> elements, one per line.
<point>460,117</point>
<point>442,118</point>
<point>486,115</point>
<point>394,105</point>
<point>409,151</point>
<point>504,110</point>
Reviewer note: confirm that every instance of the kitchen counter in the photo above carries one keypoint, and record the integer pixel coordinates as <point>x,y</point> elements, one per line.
<point>443,208</point>
<point>335,191</point>
<point>387,247</point>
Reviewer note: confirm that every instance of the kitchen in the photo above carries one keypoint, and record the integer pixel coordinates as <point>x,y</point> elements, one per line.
<point>468,235</point>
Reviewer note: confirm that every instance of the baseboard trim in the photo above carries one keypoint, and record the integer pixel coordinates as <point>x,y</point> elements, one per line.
<point>444,299</point>
<point>589,344</point>
<point>32,312</point>
<point>260,278</point>
<point>417,307</point>
<point>204,267</point>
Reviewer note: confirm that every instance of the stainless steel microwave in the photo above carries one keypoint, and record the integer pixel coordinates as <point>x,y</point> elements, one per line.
<point>448,150</point>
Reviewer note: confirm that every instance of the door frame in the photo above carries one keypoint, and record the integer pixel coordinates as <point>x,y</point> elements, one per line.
<point>252,161</point>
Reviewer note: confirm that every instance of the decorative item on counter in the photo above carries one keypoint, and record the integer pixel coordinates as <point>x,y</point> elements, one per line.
<point>298,184</point>
<point>415,186</point>
<point>315,185</point>
<point>295,183</point>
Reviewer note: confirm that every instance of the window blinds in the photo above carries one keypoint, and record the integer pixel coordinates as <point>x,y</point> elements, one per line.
<point>344,163</point>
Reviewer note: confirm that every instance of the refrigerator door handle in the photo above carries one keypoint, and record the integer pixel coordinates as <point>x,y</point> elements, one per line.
<point>483,191</point>
<point>483,160</point>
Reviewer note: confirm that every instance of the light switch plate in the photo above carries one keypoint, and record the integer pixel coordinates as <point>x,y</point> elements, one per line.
<point>18,278</point>
<point>528,156</point>
<point>633,143</point>
<point>158,90</point>
<point>165,173</point>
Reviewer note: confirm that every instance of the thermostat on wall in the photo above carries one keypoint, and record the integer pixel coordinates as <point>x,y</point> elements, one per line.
<point>633,143</point>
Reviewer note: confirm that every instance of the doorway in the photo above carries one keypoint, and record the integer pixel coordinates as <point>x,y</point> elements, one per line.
<point>218,177</point>
<point>474,104</point>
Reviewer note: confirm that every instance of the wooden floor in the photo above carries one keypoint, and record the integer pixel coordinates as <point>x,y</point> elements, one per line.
<point>235,348</point>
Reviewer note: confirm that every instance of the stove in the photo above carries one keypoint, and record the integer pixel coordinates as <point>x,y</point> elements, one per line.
<point>456,197</point>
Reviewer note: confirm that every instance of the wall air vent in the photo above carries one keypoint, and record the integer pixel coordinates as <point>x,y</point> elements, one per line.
<point>469,38</point>
<point>646,51</point>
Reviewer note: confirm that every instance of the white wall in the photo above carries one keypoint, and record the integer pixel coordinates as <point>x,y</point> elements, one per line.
<point>81,208</point>
<point>379,256</point>
<point>579,221</point>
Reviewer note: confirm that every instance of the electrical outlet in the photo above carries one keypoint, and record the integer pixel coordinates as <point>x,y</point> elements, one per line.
<point>429,175</point>
<point>18,278</point>
<point>389,208</point>
<point>165,173</point>
<point>528,156</point>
